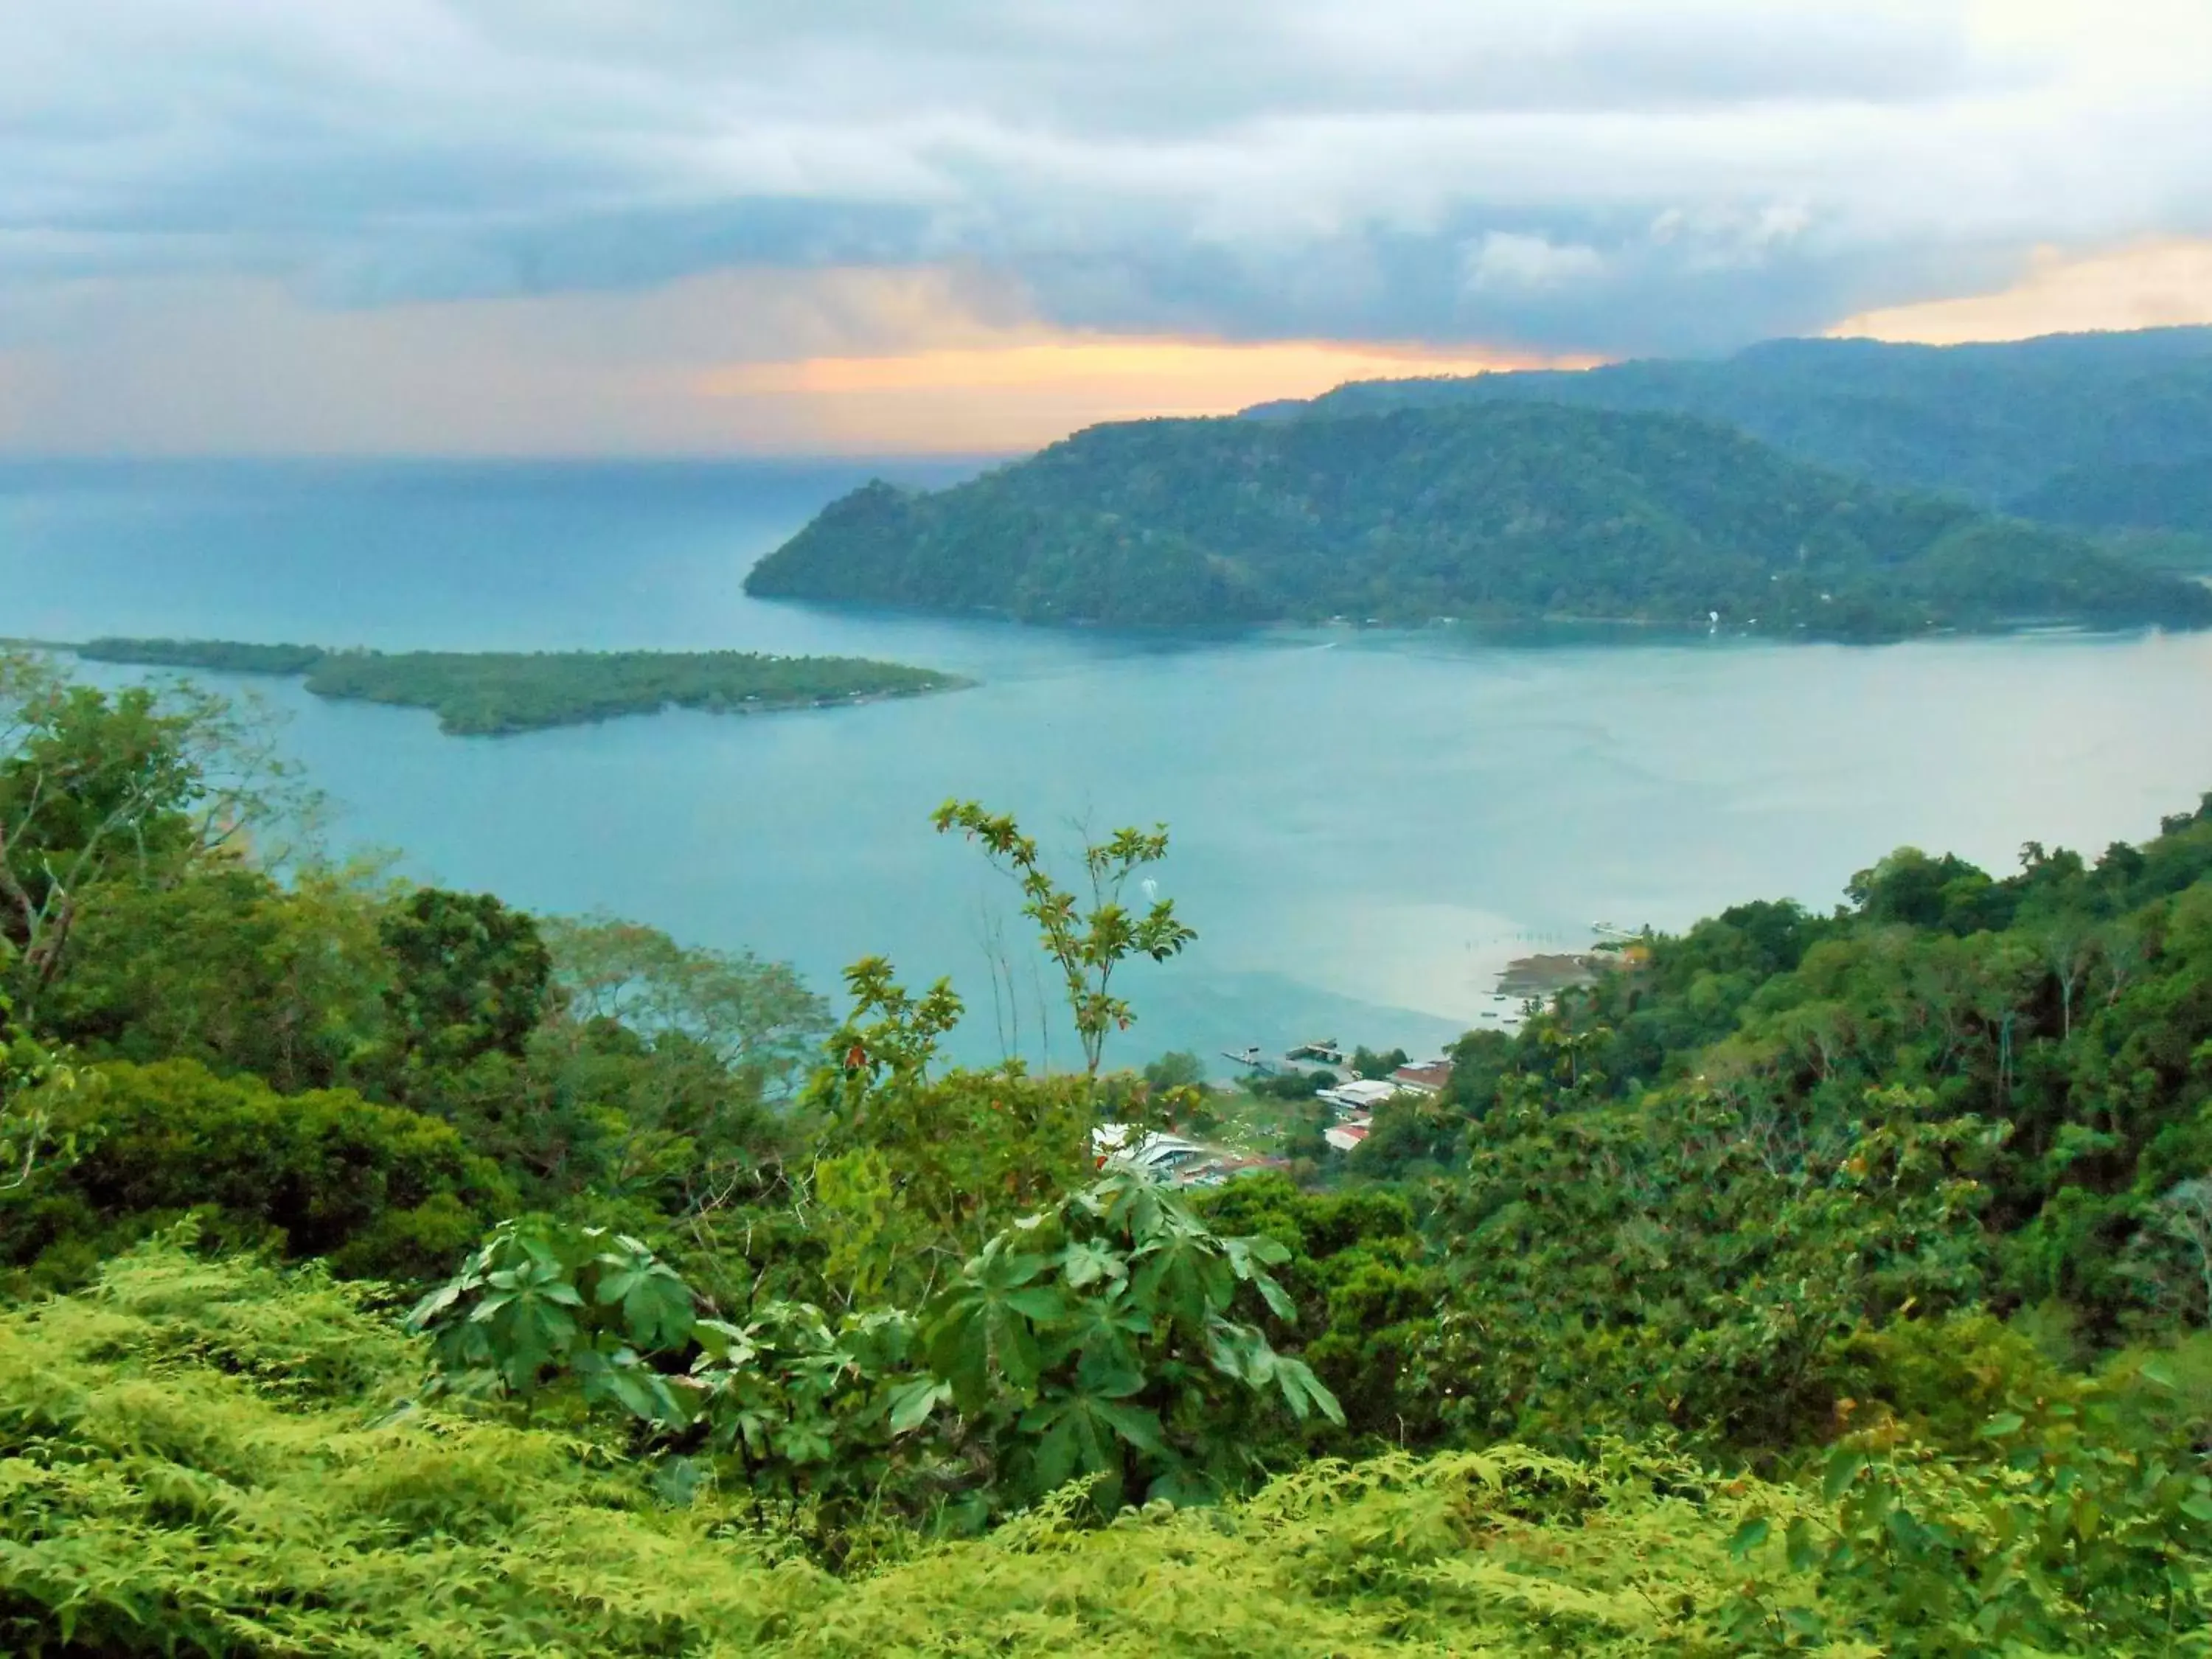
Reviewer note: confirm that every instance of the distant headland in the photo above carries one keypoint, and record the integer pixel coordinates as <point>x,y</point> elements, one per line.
<point>2057,482</point>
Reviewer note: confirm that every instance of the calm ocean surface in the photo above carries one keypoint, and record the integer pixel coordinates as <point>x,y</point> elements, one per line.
<point>1366,826</point>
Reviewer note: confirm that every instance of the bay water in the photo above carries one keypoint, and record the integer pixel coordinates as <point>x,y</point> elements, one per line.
<point>1366,825</point>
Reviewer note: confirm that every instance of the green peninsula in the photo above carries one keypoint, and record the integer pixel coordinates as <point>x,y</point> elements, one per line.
<point>1492,511</point>
<point>491,693</point>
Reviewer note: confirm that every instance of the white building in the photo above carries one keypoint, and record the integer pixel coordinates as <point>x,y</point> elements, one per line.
<point>1363,1096</point>
<point>1157,1154</point>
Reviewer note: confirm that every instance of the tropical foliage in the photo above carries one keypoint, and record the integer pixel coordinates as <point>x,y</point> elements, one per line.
<point>1809,1282</point>
<point>1096,1339</point>
<point>215,1457</point>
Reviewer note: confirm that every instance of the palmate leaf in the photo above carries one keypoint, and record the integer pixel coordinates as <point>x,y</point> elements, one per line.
<point>803,1443</point>
<point>1070,1442</point>
<point>1129,1201</point>
<point>657,1308</point>
<point>1107,1326</point>
<point>1109,1373</point>
<point>1183,1274</point>
<point>1248,1256</point>
<point>1238,1352</point>
<point>1085,1263</point>
<point>622,1378</point>
<point>1135,1424</point>
<point>879,1341</point>
<point>1082,1433</point>
<point>1041,1304</point>
<point>646,1393</point>
<point>531,1285</point>
<point>986,1322</point>
<point>722,1342</point>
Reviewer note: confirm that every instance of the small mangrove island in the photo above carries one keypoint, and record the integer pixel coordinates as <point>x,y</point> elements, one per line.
<point>494,693</point>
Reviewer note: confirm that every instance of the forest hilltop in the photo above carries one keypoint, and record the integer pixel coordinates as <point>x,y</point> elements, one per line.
<point>2113,430</point>
<point>1468,507</point>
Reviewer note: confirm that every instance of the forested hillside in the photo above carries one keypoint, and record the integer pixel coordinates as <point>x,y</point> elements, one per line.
<point>2136,495</point>
<point>1488,510</point>
<point>1993,424</point>
<point>389,1271</point>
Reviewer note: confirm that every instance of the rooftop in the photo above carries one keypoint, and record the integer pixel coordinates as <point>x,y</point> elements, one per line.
<point>1428,1076</point>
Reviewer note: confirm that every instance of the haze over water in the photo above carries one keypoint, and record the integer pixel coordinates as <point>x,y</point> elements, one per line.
<point>1366,825</point>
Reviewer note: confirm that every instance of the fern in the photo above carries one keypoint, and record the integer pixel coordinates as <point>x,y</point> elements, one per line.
<point>225,1458</point>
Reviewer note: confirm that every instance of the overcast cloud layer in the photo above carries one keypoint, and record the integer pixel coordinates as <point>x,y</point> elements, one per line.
<point>1546,177</point>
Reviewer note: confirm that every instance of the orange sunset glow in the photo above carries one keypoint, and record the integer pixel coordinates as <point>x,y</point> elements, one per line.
<point>1022,394</point>
<point>2166,283</point>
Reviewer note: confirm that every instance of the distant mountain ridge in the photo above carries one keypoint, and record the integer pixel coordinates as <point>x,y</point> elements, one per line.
<point>2128,495</point>
<point>1467,506</point>
<point>1993,423</point>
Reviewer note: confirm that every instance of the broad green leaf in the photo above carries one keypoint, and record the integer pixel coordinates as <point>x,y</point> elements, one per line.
<point>1302,1390</point>
<point>1016,1349</point>
<point>656,1310</point>
<point>1843,1466</point>
<point>1041,1304</point>
<point>642,1394</point>
<point>1110,1371</point>
<point>1804,1551</point>
<point>1055,1456</point>
<point>1140,1427</point>
<point>913,1402</point>
<point>1906,1527</point>
<point>1277,1300</point>
<point>1086,1263</point>
<point>803,1443</point>
<point>434,1305</point>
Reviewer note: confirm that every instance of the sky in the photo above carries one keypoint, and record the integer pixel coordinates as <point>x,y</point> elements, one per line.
<point>686,227</point>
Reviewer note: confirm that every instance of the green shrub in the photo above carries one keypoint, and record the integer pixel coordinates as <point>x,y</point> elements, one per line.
<point>381,1191</point>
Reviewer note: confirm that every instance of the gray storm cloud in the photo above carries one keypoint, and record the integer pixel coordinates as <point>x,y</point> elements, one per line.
<point>1604,176</point>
